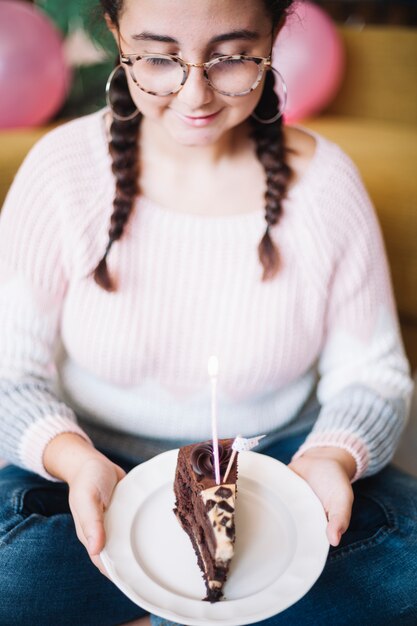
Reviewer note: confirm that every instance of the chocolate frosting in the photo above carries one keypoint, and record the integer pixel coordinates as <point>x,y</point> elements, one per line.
<point>202,458</point>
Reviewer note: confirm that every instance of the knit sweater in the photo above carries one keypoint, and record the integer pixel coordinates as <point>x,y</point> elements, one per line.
<point>189,286</point>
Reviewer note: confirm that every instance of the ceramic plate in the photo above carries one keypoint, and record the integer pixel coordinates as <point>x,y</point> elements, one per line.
<point>280,551</point>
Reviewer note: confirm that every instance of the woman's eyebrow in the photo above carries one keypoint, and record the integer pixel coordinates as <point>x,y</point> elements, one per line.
<point>248,35</point>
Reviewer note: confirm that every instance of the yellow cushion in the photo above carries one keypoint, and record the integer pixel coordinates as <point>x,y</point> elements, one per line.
<point>380,78</point>
<point>14,144</point>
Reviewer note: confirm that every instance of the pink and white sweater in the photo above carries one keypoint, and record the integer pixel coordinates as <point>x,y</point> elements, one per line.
<point>190,286</point>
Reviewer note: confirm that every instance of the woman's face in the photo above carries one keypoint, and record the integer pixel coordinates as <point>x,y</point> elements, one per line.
<point>191,26</point>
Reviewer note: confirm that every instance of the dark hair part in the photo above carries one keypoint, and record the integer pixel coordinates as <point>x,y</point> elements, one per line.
<point>124,151</point>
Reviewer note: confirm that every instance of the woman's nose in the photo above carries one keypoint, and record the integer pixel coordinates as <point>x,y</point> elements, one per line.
<point>196,92</point>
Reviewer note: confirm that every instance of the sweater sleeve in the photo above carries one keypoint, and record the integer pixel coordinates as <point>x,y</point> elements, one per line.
<point>365,386</point>
<point>33,280</point>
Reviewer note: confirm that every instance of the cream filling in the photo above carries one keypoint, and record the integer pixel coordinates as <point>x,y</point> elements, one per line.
<point>212,583</point>
<point>221,519</point>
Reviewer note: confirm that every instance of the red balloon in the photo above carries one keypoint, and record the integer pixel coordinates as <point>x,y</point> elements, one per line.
<point>310,56</point>
<point>34,75</point>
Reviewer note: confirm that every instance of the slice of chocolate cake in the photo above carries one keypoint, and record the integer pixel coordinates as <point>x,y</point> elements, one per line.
<point>206,510</point>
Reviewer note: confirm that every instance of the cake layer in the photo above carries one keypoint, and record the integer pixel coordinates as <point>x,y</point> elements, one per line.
<point>206,513</point>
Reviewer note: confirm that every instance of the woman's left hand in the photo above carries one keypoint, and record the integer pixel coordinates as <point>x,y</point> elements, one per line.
<point>329,471</point>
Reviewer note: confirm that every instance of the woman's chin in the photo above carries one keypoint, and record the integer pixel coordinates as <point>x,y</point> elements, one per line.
<point>195,139</point>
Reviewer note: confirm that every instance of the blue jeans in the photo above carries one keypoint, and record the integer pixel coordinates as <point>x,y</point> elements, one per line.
<point>47,579</point>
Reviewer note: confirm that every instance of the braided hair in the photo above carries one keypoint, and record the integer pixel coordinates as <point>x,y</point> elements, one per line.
<point>124,151</point>
<point>271,151</point>
<point>125,167</point>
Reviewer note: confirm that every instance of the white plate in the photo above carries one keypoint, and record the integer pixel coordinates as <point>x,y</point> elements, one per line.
<point>280,551</point>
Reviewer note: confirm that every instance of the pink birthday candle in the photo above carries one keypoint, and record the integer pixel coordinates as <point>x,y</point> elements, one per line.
<point>213,370</point>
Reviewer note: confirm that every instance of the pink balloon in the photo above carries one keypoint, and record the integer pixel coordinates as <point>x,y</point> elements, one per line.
<point>34,76</point>
<point>310,56</point>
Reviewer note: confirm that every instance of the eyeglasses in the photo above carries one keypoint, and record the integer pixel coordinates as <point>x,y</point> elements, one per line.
<point>165,74</point>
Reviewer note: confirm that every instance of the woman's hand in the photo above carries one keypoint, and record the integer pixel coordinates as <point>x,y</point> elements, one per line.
<point>91,488</point>
<point>92,478</point>
<point>328,471</point>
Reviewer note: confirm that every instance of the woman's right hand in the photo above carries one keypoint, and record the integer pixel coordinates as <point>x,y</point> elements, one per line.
<point>91,488</point>
<point>91,477</point>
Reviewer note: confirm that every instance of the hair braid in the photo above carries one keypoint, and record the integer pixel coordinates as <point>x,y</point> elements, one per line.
<point>271,151</point>
<point>124,151</point>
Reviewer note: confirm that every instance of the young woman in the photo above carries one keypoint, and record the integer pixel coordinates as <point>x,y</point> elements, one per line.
<point>183,220</point>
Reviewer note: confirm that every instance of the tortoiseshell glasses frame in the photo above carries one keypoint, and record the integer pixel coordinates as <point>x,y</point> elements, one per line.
<point>262,63</point>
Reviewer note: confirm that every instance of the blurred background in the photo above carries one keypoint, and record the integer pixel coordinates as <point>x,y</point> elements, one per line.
<point>90,50</point>
<point>351,71</point>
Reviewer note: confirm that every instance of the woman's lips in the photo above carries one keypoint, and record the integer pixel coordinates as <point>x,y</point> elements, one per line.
<point>197,121</point>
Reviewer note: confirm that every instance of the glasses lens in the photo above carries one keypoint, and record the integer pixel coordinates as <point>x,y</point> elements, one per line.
<point>159,75</point>
<point>234,76</point>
